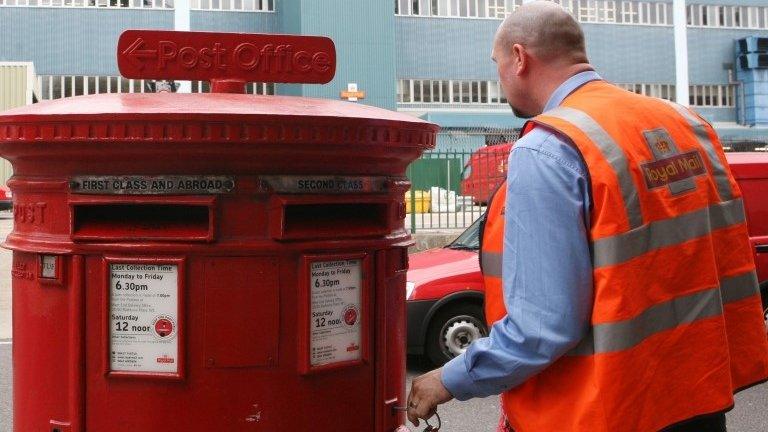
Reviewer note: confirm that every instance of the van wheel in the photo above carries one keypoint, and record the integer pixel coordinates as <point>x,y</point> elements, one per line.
<point>452,330</point>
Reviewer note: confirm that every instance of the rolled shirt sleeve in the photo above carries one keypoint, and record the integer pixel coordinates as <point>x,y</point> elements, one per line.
<point>547,271</point>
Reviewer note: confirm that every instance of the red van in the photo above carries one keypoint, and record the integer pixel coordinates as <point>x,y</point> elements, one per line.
<point>485,171</point>
<point>445,287</point>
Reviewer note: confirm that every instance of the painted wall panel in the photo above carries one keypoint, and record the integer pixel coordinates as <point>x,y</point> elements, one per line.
<point>717,115</point>
<point>13,93</point>
<point>632,54</point>
<point>78,41</point>
<point>709,49</point>
<point>446,48</point>
<point>461,48</point>
<point>237,22</point>
<point>364,36</point>
<point>13,86</point>
<point>71,41</point>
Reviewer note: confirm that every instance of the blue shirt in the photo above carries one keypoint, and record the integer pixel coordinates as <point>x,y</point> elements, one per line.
<point>547,267</point>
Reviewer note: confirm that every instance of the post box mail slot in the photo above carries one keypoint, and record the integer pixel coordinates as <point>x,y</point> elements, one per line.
<point>171,221</point>
<point>311,217</point>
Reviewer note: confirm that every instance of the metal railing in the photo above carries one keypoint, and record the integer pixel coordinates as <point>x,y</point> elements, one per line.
<point>450,188</point>
<point>435,200</point>
<point>745,145</point>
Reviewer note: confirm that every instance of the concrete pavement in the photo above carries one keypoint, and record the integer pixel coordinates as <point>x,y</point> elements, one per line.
<point>6,386</point>
<point>750,413</point>
<point>6,224</point>
<point>6,383</point>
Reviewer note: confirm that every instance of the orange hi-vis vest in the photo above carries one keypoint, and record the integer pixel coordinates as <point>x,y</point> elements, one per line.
<point>676,326</point>
<point>491,247</point>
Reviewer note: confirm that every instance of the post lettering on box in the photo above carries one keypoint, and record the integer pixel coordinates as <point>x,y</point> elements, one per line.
<point>247,57</point>
<point>32,213</point>
<point>323,184</point>
<point>152,185</point>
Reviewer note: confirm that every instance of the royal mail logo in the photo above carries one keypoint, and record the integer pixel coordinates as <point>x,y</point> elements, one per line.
<point>231,56</point>
<point>663,146</point>
<point>166,360</point>
<point>672,169</point>
<point>669,166</point>
<point>353,347</point>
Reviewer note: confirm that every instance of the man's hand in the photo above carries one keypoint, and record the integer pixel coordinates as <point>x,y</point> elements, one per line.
<point>427,392</point>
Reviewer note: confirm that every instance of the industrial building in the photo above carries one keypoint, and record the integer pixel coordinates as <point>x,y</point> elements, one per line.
<point>430,58</point>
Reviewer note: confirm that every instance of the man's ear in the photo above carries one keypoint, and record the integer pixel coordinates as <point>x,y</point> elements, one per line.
<point>520,59</point>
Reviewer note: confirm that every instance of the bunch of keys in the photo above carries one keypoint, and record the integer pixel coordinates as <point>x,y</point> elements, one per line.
<point>429,428</point>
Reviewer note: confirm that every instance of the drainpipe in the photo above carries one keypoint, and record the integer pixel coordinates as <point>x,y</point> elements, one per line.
<point>181,23</point>
<point>681,52</point>
<point>742,107</point>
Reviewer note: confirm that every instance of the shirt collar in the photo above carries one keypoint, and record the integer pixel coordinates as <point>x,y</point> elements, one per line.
<point>569,86</point>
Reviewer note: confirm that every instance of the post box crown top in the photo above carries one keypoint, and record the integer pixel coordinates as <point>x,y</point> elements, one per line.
<point>232,117</point>
<point>229,58</point>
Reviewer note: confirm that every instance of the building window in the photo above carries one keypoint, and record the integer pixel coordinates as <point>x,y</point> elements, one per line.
<point>230,5</point>
<point>762,17</point>
<point>234,5</point>
<point>663,91</point>
<point>114,4</point>
<point>250,88</point>
<point>587,11</point>
<point>663,14</point>
<point>597,11</point>
<point>571,6</point>
<point>727,16</point>
<point>455,92</point>
<point>717,96</point>
<point>60,86</point>
<point>457,8</point>
<point>497,9</point>
<point>629,14</point>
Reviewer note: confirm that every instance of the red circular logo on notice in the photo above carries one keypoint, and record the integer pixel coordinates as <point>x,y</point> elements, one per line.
<point>163,327</point>
<point>350,315</point>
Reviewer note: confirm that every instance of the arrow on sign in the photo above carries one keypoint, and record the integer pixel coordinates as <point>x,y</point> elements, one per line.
<point>134,53</point>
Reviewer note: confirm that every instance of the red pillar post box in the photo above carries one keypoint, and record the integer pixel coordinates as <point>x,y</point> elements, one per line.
<point>210,262</point>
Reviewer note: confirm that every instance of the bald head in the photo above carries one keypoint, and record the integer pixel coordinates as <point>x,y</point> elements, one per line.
<point>546,30</point>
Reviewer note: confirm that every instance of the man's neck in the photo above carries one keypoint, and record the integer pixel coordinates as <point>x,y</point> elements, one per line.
<point>557,79</point>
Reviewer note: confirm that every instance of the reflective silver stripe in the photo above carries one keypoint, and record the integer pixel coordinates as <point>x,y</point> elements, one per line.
<point>739,287</point>
<point>491,263</point>
<point>700,130</point>
<point>622,335</point>
<point>667,232</point>
<point>611,152</point>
